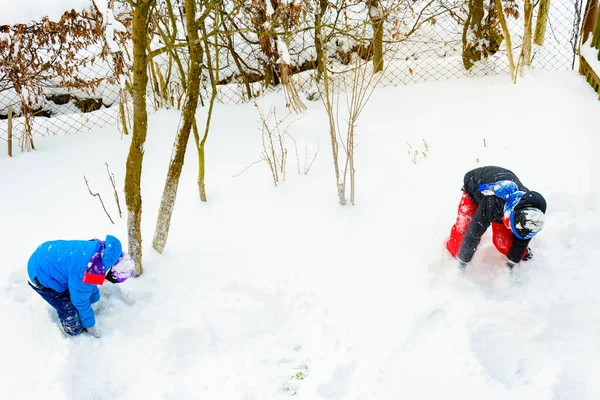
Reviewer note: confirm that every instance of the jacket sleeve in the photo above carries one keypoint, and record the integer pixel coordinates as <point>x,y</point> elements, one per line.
<point>81,295</point>
<point>95,295</point>
<point>517,249</point>
<point>477,227</point>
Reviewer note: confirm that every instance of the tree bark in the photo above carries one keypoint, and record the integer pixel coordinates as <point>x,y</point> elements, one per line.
<point>213,72</point>
<point>528,34</point>
<point>201,157</point>
<point>266,44</point>
<point>377,22</point>
<point>319,44</point>
<point>596,37</point>
<point>481,37</point>
<point>471,53</point>
<point>9,130</point>
<point>167,203</point>
<point>542,22</point>
<point>509,52</point>
<point>133,173</point>
<point>328,102</point>
<point>590,19</point>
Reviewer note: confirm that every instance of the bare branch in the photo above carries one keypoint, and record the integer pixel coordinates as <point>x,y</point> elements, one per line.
<point>99,198</point>
<point>111,176</point>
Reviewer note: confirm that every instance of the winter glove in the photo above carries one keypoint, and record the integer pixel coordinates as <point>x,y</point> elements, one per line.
<point>528,255</point>
<point>93,330</point>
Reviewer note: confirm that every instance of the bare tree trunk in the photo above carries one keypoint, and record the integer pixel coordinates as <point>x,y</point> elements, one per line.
<point>363,85</point>
<point>590,19</point>
<point>527,35</point>
<point>377,22</point>
<point>201,157</point>
<point>319,44</point>
<point>509,52</point>
<point>133,173</point>
<point>327,97</point>
<point>213,72</point>
<point>473,23</point>
<point>350,154</point>
<point>481,35</point>
<point>267,44</point>
<point>541,23</point>
<point>189,113</point>
<point>10,130</point>
<point>596,37</point>
<point>468,53</point>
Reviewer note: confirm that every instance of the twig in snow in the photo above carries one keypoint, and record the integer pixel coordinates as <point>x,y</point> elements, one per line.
<point>248,167</point>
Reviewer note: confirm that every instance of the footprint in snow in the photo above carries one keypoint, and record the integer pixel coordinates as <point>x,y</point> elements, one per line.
<point>525,370</point>
<point>340,384</point>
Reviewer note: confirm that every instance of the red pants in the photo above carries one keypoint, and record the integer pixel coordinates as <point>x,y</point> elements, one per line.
<point>502,236</point>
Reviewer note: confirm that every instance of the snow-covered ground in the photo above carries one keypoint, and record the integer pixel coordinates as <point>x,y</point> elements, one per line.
<point>267,292</point>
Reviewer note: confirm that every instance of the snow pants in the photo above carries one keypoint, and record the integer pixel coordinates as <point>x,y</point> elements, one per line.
<point>502,237</point>
<point>61,302</point>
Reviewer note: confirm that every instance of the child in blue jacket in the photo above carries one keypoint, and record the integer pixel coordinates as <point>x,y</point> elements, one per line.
<point>66,274</point>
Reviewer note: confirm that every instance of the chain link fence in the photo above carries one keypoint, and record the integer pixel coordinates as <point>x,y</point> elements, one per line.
<point>61,111</point>
<point>433,52</point>
<point>422,45</point>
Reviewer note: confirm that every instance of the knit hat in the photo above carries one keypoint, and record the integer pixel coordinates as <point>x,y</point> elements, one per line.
<point>523,211</point>
<point>527,222</point>
<point>122,270</point>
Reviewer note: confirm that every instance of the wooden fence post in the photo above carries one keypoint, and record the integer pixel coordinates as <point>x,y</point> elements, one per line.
<point>10,130</point>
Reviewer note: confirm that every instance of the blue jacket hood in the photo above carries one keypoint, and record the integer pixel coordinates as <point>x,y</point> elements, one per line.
<point>112,252</point>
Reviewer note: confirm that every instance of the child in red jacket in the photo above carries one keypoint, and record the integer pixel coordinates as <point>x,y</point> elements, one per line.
<point>495,196</point>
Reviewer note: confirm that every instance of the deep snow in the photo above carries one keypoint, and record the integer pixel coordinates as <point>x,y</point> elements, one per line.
<point>266,292</point>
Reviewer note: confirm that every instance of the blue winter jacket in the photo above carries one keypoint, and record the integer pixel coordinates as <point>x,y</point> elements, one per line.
<point>60,265</point>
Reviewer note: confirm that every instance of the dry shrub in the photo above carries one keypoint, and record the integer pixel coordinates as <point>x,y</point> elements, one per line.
<point>37,55</point>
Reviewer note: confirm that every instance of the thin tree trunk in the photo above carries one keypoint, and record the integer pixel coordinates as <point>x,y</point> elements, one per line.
<point>509,52</point>
<point>542,22</point>
<point>466,51</point>
<point>155,83</point>
<point>377,22</point>
<point>201,158</point>
<point>590,19</point>
<point>167,203</point>
<point>213,72</point>
<point>123,117</point>
<point>527,35</point>
<point>328,103</point>
<point>133,173</point>
<point>10,130</point>
<point>473,24</point>
<point>267,46</point>
<point>596,37</point>
<point>319,45</point>
<point>350,144</point>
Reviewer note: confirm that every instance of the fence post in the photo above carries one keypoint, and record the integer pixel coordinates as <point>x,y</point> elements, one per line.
<point>10,130</point>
